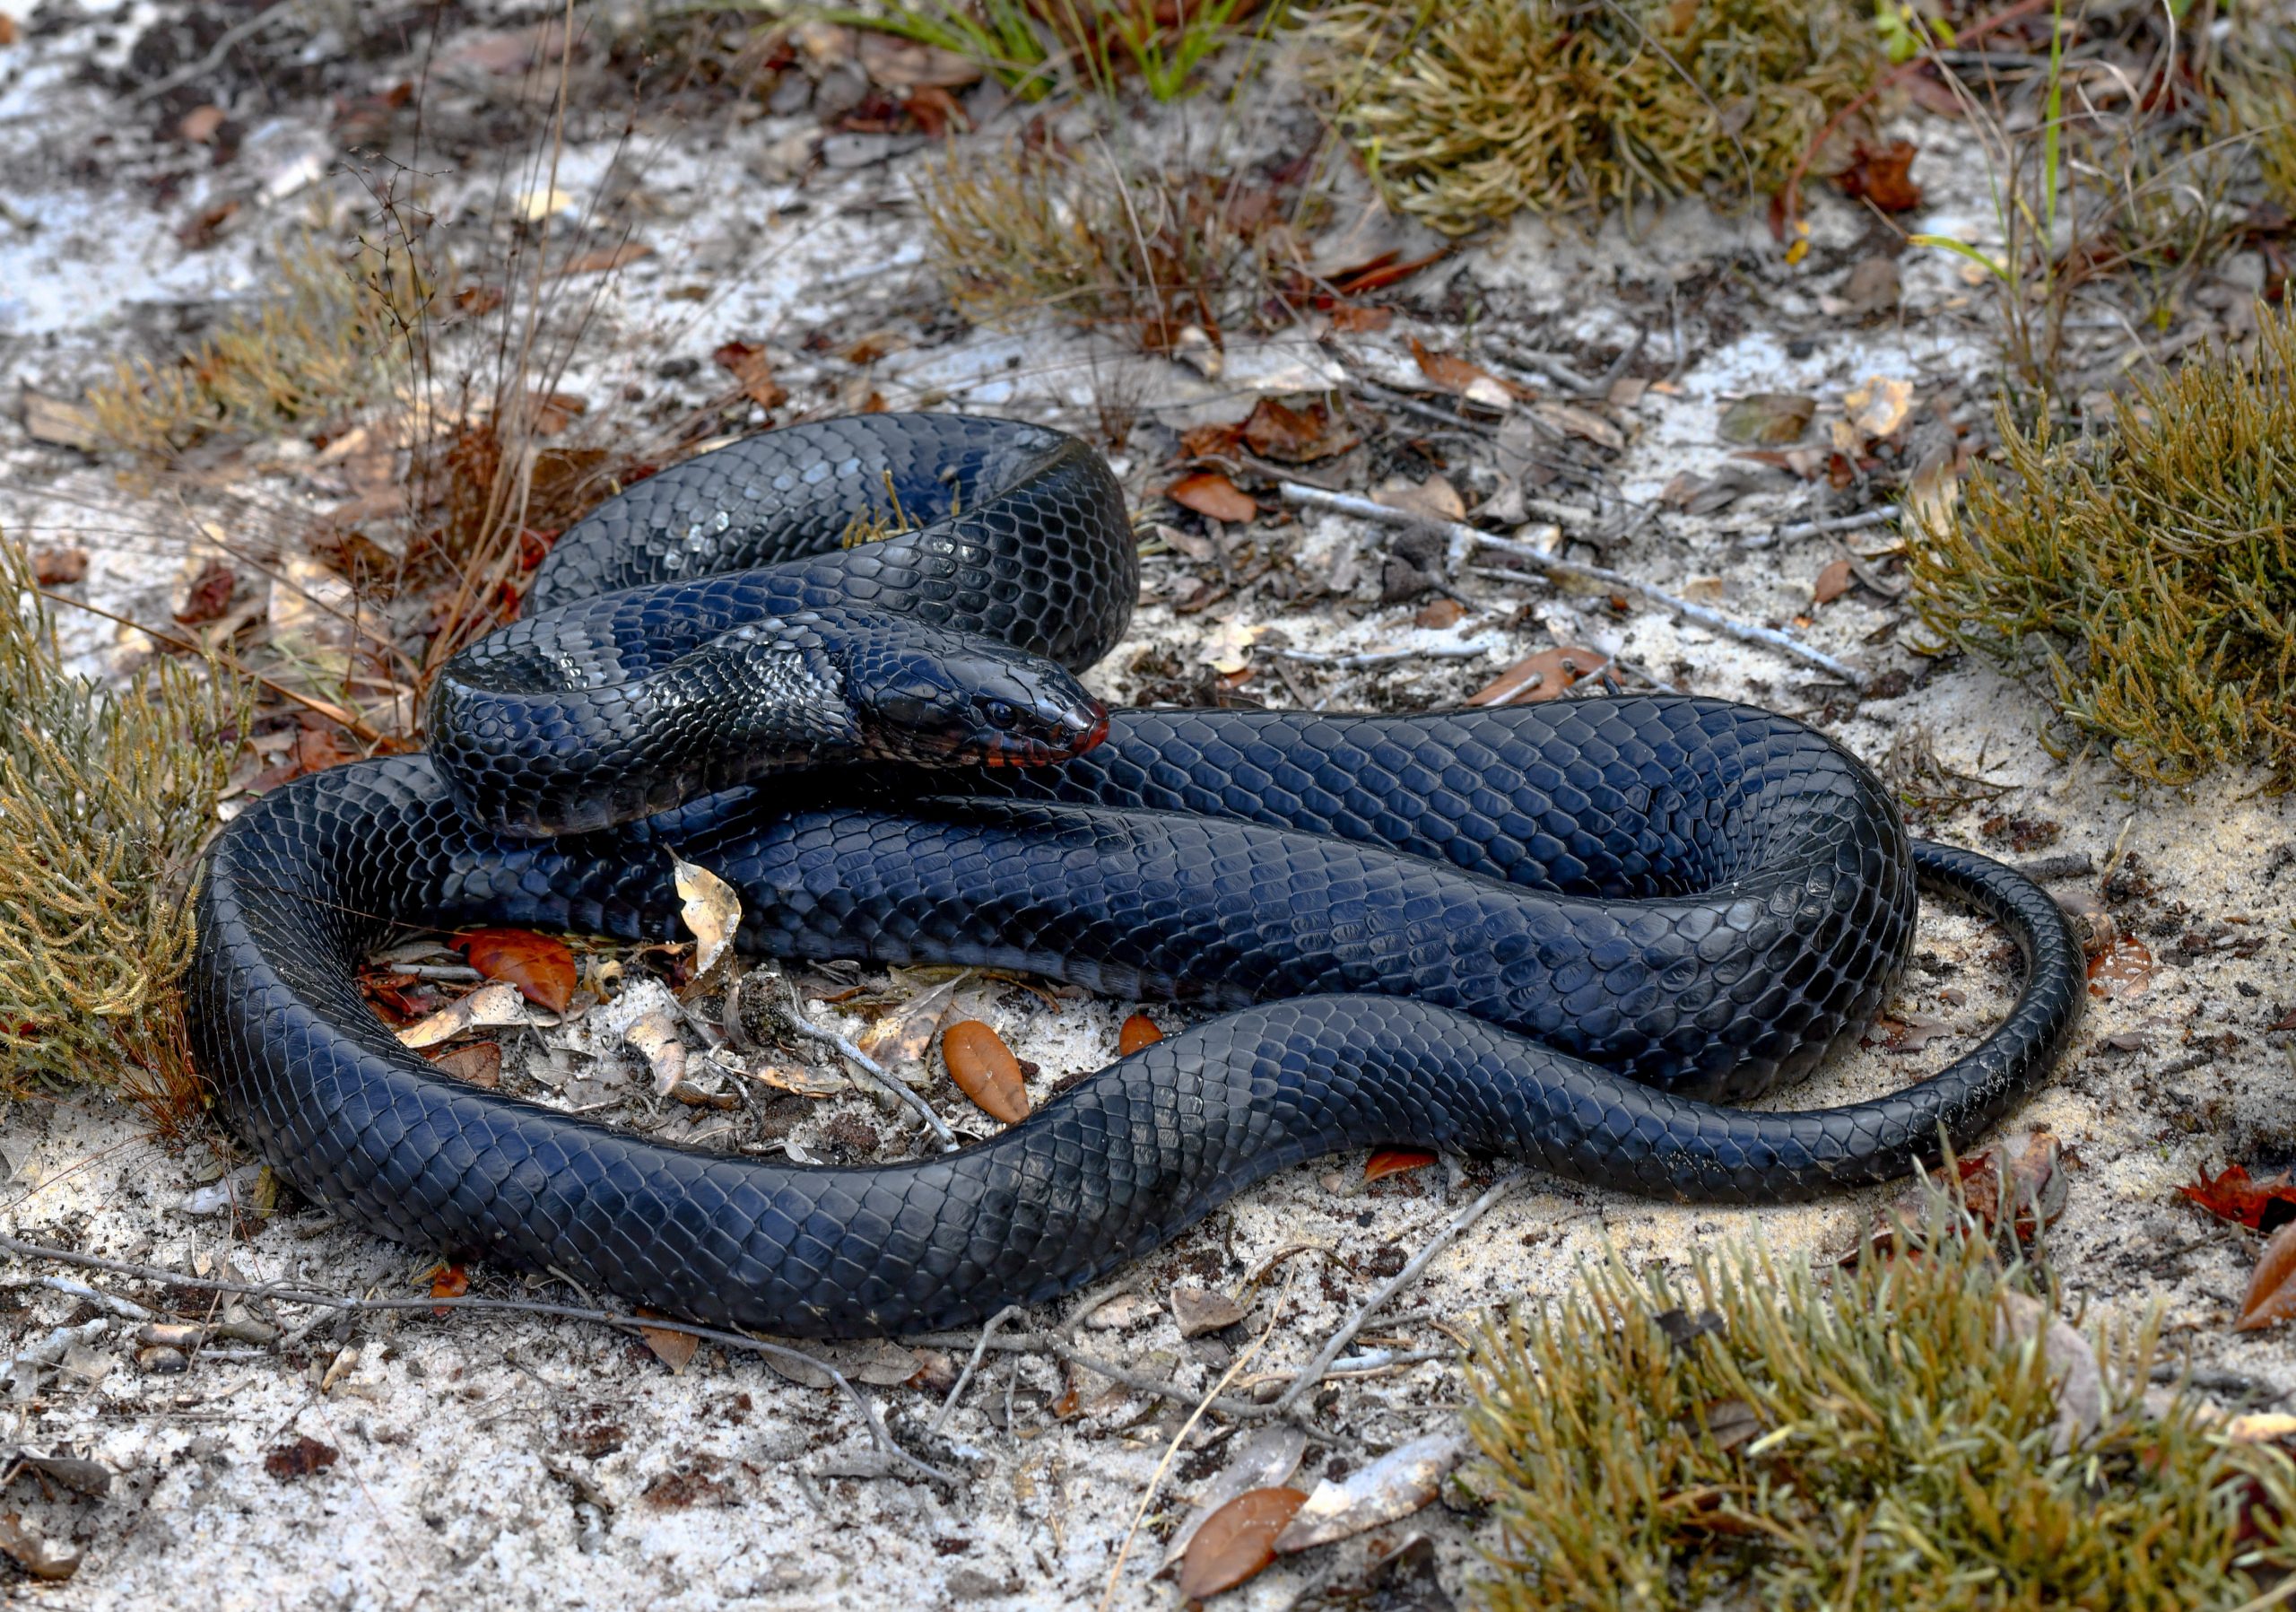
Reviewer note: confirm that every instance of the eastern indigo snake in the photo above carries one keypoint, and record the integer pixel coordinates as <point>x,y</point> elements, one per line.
<point>1569,932</point>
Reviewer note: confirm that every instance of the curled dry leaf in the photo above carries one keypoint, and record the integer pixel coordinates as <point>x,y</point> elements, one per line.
<point>1545,676</point>
<point>904,1033</point>
<point>1200,1309</point>
<point>711,911</point>
<point>1264,1460</point>
<point>1396,1485</point>
<point>1212,495</point>
<point>2271,1297</point>
<point>539,965</point>
<point>1832,582</point>
<point>654,1036</point>
<point>1434,498</point>
<point>1879,407</point>
<point>753,371</point>
<point>488,1007</point>
<point>480,1063</point>
<point>673,1349</point>
<point>1911,1033</point>
<point>27,1546</point>
<point>1298,436</point>
<point>1769,419</point>
<point>59,567</point>
<point>1395,1160</point>
<point>1237,1541</point>
<point>985,1070</point>
<point>1471,381</point>
<point>1572,421</point>
<point>2021,1193</point>
<point>2121,970</point>
<point>1882,177</point>
<point>1139,1030</point>
<point>2261,1206</point>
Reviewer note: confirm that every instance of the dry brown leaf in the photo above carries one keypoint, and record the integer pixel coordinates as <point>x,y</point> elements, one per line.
<point>604,260</point>
<point>1471,381</point>
<point>903,1032</point>
<point>27,1546</point>
<point>1138,1031</point>
<point>59,567</point>
<point>985,1070</point>
<point>1296,436</point>
<point>539,965</point>
<point>1199,1309</point>
<point>488,1007</point>
<point>898,63</point>
<point>2078,1385</point>
<point>711,911</point>
<point>1584,422</point>
<point>480,1063</point>
<point>2123,970</point>
<point>753,371</point>
<point>1236,1541</point>
<point>58,421</point>
<point>1911,1032</point>
<point>2271,1297</point>
<point>1544,675</point>
<point>1266,1459</point>
<point>1882,177</point>
<point>1394,1161</point>
<point>654,1036</point>
<point>673,1349</point>
<point>1769,419</point>
<point>1434,498</point>
<point>198,126</point>
<point>1832,582</point>
<point>1395,1486</point>
<point>1211,495</point>
<point>1440,613</point>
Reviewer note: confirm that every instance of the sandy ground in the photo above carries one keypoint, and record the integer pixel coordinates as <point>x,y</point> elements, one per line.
<point>526,1462</point>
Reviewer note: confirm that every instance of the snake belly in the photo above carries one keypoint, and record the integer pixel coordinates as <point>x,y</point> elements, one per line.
<point>1581,934</point>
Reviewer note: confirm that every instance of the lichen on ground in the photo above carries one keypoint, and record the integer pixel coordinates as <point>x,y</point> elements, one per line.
<point>2150,567</point>
<point>1468,113</point>
<point>1893,1435</point>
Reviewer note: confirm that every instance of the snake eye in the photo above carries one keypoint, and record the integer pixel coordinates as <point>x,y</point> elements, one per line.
<point>998,714</point>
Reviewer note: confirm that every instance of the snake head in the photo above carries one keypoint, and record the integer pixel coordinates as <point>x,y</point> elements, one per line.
<point>975,704</point>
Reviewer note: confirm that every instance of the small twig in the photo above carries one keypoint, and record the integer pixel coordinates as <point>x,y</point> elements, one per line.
<point>1364,508</point>
<point>971,1365</point>
<point>892,1084</point>
<point>343,1303</point>
<point>1381,395</point>
<point>225,43</point>
<point>1339,1340</point>
<point>1880,517</point>
<point>1380,657</point>
<point>125,1309</point>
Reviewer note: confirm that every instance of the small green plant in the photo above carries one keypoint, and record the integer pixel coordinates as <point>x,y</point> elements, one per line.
<point>107,795</point>
<point>1025,43</point>
<point>2151,568</point>
<point>1467,111</point>
<point>1894,1437</point>
<point>316,347</point>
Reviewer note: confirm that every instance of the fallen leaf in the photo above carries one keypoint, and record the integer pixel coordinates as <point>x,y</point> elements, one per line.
<point>878,1362</point>
<point>1394,1161</point>
<point>481,1064</point>
<point>1584,423</point>
<point>34,1552</point>
<point>2286,1020</point>
<point>904,1033</point>
<point>2261,1206</point>
<point>7,29</point>
<point>1120,1313</point>
<point>711,911</point>
<point>1350,318</point>
<point>1434,498</point>
<point>2079,1387</point>
<point>198,126</point>
<point>1832,582</point>
<point>208,596</point>
<point>81,1475</point>
<point>1229,651</point>
<point>59,567</point>
<point>604,260</point>
<point>1138,1031</point>
<point>1471,381</point>
<point>1543,676</point>
<point>985,1070</point>
<point>1440,613</point>
<point>449,1281</point>
<point>898,63</point>
<point>2121,970</point>
<point>488,1007</point>
<point>1909,1033</point>
<point>301,1459</point>
<point>1731,1422</point>
<point>2033,1194</point>
<point>1236,1541</point>
<point>1769,419</point>
<point>753,371</point>
<point>1200,1309</point>
<point>59,422</point>
<point>654,1036</point>
<point>539,965</point>
<point>1296,436</point>
<point>1879,407</point>
<point>1395,1486</point>
<point>1211,495</point>
<point>673,1349</point>
<point>1882,176</point>
<point>1874,286</point>
<point>1264,1460</point>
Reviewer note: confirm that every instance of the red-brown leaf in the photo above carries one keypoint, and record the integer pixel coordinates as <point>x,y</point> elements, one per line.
<point>301,1459</point>
<point>480,1063</point>
<point>1351,319</point>
<point>1541,676</point>
<point>753,371</point>
<point>985,1070</point>
<point>2121,970</point>
<point>59,567</point>
<point>449,1281</point>
<point>673,1349</point>
<point>209,595</point>
<point>1456,374</point>
<point>1881,177</point>
<point>1394,1161</point>
<point>540,966</point>
<point>1296,436</point>
<point>2234,1197</point>
<point>1236,1541</point>
<point>2272,1290</point>
<point>1211,495</point>
<point>1832,582</point>
<point>1139,1030</point>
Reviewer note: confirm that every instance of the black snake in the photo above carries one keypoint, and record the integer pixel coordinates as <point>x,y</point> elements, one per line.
<point>1571,932</point>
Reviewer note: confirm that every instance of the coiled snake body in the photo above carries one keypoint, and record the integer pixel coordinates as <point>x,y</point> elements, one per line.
<point>1569,932</point>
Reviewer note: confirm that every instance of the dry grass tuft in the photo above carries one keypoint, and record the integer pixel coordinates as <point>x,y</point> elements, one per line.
<point>1873,1438</point>
<point>315,348</point>
<point>105,796</point>
<point>1467,112</point>
<point>2152,570</point>
<point>1105,242</point>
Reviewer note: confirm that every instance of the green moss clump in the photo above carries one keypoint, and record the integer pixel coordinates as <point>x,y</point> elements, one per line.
<point>1468,110</point>
<point>2152,567</point>
<point>105,796</point>
<point>1875,1438</point>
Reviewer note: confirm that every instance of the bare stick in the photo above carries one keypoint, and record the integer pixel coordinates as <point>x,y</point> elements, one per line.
<point>279,1293</point>
<point>877,1073</point>
<point>1403,1279</point>
<point>1364,508</point>
<point>232,37</point>
<point>1380,657</point>
<point>973,1366</point>
<point>1879,517</point>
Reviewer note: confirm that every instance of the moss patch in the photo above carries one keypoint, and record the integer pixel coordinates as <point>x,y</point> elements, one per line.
<point>1756,1434</point>
<point>2151,568</point>
<point>105,796</point>
<point>1467,112</point>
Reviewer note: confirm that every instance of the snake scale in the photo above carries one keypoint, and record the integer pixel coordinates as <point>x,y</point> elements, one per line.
<point>833,664</point>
